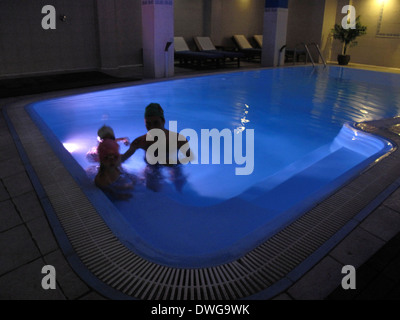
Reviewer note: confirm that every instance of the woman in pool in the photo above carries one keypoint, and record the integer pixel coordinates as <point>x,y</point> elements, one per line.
<point>154,119</point>
<point>111,178</point>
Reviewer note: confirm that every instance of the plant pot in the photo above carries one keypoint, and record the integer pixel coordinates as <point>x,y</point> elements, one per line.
<point>343,59</point>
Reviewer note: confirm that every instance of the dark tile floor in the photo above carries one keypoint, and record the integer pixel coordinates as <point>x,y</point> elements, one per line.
<point>376,279</point>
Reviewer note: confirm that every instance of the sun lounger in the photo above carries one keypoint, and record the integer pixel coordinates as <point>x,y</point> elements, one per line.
<point>245,47</point>
<point>194,58</point>
<point>258,38</point>
<point>204,44</point>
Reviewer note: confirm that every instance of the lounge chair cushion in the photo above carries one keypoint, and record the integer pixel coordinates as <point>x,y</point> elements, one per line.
<point>242,42</point>
<point>259,39</point>
<point>204,43</point>
<point>180,44</point>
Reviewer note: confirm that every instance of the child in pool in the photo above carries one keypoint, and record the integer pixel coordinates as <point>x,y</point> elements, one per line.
<point>111,178</point>
<point>105,132</point>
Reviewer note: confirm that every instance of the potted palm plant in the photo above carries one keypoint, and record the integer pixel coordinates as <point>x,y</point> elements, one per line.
<point>348,38</point>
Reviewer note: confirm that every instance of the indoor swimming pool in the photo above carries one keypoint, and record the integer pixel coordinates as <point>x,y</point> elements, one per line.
<point>304,146</point>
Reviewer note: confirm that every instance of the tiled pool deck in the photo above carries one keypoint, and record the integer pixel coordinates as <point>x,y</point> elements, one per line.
<point>27,242</point>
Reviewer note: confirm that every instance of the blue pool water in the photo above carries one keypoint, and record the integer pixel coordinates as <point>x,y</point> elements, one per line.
<point>305,147</point>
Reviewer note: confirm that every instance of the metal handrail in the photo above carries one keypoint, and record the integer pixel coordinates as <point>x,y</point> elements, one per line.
<point>280,53</point>
<point>307,55</point>
<point>306,47</point>
<point>319,52</point>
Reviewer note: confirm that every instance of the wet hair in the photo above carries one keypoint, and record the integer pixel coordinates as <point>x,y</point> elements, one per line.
<point>154,109</point>
<point>106,132</point>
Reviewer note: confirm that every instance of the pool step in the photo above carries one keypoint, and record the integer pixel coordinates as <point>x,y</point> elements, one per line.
<point>260,188</point>
<point>320,178</point>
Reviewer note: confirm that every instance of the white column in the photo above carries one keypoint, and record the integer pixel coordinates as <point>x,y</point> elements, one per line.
<point>158,30</point>
<point>274,32</point>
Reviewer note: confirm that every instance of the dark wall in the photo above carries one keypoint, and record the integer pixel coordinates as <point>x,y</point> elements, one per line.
<point>95,34</point>
<point>218,19</point>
